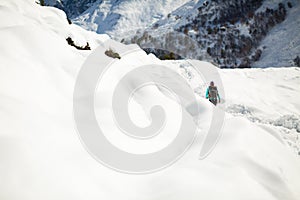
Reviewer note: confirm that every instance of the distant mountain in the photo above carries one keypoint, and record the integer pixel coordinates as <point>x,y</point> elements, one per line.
<point>73,8</point>
<point>232,33</point>
<point>120,17</point>
<point>228,33</point>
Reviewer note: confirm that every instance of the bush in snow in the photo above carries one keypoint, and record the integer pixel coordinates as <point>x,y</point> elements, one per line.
<point>112,54</point>
<point>257,55</point>
<point>71,43</point>
<point>41,2</point>
<point>297,61</point>
<point>170,56</point>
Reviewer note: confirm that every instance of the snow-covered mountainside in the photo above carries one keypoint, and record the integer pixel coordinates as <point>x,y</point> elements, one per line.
<point>282,45</point>
<point>230,33</point>
<point>71,7</point>
<point>41,156</point>
<point>117,18</point>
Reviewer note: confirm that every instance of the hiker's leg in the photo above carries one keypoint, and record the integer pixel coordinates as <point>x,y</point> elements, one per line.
<point>213,101</point>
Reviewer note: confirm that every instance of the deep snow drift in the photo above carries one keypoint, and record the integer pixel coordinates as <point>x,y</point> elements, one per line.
<point>41,156</point>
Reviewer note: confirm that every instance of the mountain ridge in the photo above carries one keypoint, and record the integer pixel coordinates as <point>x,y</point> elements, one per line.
<point>229,33</point>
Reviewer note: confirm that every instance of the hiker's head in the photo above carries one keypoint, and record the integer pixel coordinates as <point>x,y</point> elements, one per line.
<point>212,83</point>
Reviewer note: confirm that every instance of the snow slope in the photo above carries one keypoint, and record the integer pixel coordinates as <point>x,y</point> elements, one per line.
<point>41,156</point>
<point>282,44</point>
<point>261,96</point>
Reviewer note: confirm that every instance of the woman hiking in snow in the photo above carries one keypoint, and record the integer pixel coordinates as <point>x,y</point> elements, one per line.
<point>212,94</point>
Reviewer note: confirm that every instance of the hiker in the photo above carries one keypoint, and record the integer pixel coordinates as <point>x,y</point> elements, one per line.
<point>212,93</point>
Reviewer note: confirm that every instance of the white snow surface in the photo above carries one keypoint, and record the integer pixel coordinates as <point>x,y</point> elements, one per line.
<point>41,156</point>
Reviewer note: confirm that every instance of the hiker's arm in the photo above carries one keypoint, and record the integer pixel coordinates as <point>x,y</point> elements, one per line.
<point>219,97</point>
<point>206,94</point>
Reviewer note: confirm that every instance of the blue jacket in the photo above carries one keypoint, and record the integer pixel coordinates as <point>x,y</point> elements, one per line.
<point>207,94</point>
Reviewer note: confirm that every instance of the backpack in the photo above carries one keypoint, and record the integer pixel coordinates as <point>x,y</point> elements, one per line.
<point>212,92</point>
